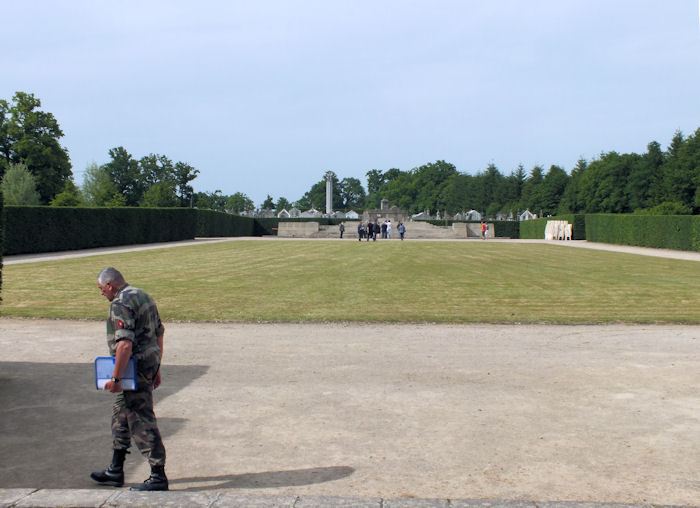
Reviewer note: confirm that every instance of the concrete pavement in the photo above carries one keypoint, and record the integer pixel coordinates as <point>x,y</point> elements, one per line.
<point>371,412</point>
<point>50,498</point>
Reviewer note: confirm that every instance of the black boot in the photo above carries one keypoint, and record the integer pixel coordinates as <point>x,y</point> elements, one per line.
<point>114,474</point>
<point>157,480</point>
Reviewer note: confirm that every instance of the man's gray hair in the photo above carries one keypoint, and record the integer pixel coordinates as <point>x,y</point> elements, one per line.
<point>110,274</point>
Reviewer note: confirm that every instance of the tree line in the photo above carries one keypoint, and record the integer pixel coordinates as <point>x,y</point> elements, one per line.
<point>36,169</point>
<point>657,181</point>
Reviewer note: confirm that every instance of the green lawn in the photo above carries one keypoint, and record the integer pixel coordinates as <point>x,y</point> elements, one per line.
<point>383,281</point>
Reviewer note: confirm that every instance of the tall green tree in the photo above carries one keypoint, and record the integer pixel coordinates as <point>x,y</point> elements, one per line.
<point>430,183</point>
<point>31,136</point>
<point>211,200</point>
<point>571,201</point>
<point>155,168</point>
<point>553,187</point>
<point>19,186</point>
<point>124,171</point>
<point>160,195</point>
<point>239,202</point>
<point>375,180</point>
<point>282,204</point>
<point>603,186</point>
<point>98,188</point>
<point>352,194</point>
<point>530,197</point>
<point>644,184</point>
<point>681,169</point>
<point>69,196</point>
<point>184,174</point>
<point>5,140</point>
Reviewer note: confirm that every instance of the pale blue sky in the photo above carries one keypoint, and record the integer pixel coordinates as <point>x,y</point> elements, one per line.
<point>266,96</point>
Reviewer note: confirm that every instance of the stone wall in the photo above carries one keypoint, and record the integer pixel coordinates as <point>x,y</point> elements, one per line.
<point>297,229</point>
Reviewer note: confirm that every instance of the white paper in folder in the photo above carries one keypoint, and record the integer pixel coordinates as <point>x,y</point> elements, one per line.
<point>104,367</point>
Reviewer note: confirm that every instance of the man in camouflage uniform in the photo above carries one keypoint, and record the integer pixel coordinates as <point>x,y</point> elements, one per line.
<point>134,330</point>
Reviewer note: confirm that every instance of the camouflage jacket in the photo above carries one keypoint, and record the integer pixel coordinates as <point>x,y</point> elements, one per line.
<point>133,316</point>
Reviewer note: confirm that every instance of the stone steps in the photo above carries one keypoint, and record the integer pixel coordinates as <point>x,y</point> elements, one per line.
<point>421,230</point>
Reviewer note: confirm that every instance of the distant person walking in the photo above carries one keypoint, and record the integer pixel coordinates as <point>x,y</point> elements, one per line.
<point>360,231</point>
<point>486,232</point>
<point>134,330</point>
<point>483,230</point>
<point>384,229</point>
<point>388,229</point>
<point>376,228</point>
<point>342,229</point>
<point>401,229</point>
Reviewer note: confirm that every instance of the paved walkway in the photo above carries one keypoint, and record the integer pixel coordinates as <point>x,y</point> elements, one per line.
<point>109,498</point>
<point>393,411</point>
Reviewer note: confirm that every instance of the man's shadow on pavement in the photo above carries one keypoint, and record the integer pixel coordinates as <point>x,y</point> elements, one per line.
<point>265,480</point>
<point>55,425</point>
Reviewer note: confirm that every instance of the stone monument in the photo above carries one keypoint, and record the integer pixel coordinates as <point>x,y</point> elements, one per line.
<point>329,192</point>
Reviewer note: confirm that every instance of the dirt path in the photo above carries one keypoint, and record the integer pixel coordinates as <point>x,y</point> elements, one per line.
<point>583,413</point>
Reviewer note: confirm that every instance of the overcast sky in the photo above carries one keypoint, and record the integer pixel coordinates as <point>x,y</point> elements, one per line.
<point>265,96</point>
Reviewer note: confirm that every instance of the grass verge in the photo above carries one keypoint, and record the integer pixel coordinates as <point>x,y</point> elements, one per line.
<point>374,282</point>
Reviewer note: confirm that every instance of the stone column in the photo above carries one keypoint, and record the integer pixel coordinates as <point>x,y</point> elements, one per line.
<point>329,193</point>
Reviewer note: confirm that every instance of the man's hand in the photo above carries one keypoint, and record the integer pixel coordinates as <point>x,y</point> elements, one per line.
<point>156,383</point>
<point>113,387</point>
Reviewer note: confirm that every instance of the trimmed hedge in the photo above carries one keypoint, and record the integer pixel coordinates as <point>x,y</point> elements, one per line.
<point>211,223</point>
<point>506,229</point>
<point>679,232</point>
<point>535,228</point>
<point>31,229</point>
<point>2,238</point>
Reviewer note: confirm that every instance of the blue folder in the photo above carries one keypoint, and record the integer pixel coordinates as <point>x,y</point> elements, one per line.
<point>104,367</point>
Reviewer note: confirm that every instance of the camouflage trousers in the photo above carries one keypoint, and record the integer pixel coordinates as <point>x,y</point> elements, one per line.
<point>133,417</point>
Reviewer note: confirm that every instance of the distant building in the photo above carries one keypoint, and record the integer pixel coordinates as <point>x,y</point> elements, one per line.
<point>385,212</point>
<point>265,213</point>
<point>473,215</point>
<point>284,214</point>
<point>352,214</point>
<point>527,215</point>
<point>311,213</point>
<point>421,216</point>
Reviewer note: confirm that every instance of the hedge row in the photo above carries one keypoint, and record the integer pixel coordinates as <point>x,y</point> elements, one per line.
<point>535,228</point>
<point>30,229</point>
<point>33,229</point>
<point>2,238</point>
<point>680,232</point>
<point>210,223</point>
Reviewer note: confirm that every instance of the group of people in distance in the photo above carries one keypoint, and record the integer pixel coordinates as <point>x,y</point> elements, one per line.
<point>369,230</point>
